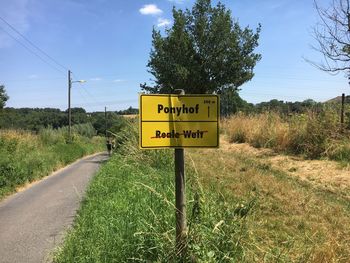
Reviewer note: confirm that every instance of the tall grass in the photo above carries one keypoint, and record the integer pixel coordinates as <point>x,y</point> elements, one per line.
<point>239,210</point>
<point>313,135</point>
<point>26,157</point>
<point>129,214</point>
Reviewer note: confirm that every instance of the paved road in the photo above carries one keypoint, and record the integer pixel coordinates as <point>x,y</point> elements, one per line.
<point>33,222</point>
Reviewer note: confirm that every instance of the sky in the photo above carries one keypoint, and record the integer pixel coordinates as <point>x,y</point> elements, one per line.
<point>107,43</point>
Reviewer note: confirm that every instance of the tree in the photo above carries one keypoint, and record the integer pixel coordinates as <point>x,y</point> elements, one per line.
<point>3,96</point>
<point>205,51</point>
<point>231,103</point>
<point>332,35</point>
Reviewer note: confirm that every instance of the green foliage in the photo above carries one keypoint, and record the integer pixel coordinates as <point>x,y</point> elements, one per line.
<point>50,136</point>
<point>128,111</point>
<point>3,96</point>
<point>85,130</point>
<point>25,157</point>
<point>284,107</point>
<point>32,119</point>
<point>347,120</point>
<point>339,151</point>
<point>114,123</point>
<point>231,103</point>
<point>205,51</point>
<point>37,119</point>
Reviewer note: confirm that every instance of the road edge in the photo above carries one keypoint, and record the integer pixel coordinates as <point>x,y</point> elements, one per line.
<point>22,188</point>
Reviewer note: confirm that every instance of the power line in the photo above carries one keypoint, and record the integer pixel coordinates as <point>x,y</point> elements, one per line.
<point>89,94</point>
<point>82,96</point>
<point>31,51</point>
<point>83,88</point>
<point>32,79</point>
<point>33,45</point>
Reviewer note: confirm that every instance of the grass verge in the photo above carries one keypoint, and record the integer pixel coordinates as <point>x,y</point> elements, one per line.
<point>239,210</point>
<point>26,157</point>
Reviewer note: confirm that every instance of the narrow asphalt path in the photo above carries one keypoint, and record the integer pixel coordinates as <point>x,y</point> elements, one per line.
<point>33,222</point>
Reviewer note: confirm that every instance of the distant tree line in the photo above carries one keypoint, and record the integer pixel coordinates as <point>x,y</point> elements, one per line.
<point>231,103</point>
<point>285,107</point>
<point>35,119</point>
<point>128,111</point>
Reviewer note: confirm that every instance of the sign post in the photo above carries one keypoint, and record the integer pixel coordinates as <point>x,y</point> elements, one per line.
<point>179,121</point>
<point>180,199</point>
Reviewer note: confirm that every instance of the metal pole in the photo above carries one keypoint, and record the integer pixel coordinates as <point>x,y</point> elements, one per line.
<point>69,107</point>
<point>180,201</point>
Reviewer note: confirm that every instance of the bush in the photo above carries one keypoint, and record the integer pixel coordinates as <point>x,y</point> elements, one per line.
<point>51,136</point>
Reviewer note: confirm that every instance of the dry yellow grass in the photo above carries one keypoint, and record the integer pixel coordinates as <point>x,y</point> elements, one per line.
<point>24,139</point>
<point>294,220</point>
<point>264,130</point>
<point>313,135</point>
<point>130,116</point>
<point>17,135</point>
<point>326,174</point>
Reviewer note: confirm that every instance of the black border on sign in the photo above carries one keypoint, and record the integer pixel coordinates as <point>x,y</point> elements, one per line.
<point>175,95</point>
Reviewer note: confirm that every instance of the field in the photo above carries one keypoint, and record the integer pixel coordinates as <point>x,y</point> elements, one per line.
<point>26,157</point>
<point>313,135</point>
<point>244,205</point>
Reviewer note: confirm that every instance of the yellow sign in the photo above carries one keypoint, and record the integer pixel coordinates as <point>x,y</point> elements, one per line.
<point>179,121</point>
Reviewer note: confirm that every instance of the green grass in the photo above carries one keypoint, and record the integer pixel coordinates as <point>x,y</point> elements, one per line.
<point>239,209</point>
<point>128,214</point>
<point>26,157</point>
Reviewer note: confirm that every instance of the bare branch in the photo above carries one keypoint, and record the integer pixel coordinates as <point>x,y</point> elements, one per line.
<point>332,36</point>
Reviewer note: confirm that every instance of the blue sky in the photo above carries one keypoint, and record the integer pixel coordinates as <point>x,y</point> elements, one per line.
<point>108,42</point>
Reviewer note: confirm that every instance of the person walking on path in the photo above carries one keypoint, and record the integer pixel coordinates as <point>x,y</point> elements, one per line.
<point>109,147</point>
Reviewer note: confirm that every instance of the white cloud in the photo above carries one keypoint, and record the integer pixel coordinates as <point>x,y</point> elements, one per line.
<point>163,22</point>
<point>150,9</point>
<point>95,79</point>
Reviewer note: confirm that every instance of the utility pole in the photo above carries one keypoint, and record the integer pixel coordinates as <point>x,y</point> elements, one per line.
<point>106,122</point>
<point>69,107</point>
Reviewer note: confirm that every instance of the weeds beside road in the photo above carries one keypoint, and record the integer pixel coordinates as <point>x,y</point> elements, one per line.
<point>26,157</point>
